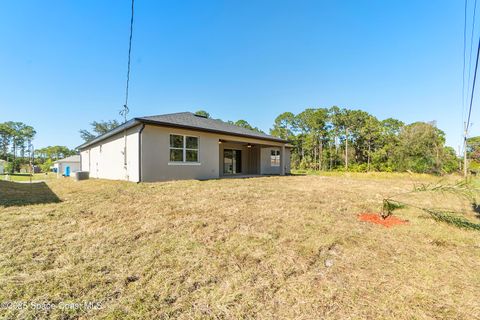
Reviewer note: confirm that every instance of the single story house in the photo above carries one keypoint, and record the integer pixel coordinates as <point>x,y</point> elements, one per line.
<point>3,164</point>
<point>72,163</point>
<point>182,146</point>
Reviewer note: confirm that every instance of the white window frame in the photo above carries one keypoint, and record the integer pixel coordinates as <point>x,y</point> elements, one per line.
<point>275,159</point>
<point>184,150</point>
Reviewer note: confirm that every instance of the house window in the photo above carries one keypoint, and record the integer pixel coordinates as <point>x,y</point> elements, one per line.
<point>183,148</point>
<point>191,149</point>
<point>176,148</point>
<point>275,158</point>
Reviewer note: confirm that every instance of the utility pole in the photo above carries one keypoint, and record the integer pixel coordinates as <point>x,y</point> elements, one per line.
<point>346,149</point>
<point>465,169</point>
<point>459,159</point>
<point>125,109</point>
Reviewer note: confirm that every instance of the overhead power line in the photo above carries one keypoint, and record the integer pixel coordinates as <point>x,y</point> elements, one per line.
<point>467,124</point>
<point>125,109</point>
<point>472,33</point>
<point>464,52</point>
<point>472,94</point>
<point>473,87</point>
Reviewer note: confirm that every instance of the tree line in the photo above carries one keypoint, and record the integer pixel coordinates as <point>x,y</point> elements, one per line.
<point>354,140</point>
<point>16,143</point>
<point>322,139</point>
<point>342,139</point>
<point>16,147</point>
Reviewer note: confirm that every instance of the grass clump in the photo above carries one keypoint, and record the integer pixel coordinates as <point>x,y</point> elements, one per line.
<point>461,188</point>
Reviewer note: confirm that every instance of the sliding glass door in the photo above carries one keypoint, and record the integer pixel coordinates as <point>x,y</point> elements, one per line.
<point>232,161</point>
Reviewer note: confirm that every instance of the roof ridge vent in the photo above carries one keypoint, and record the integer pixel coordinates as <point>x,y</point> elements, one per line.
<point>200,116</point>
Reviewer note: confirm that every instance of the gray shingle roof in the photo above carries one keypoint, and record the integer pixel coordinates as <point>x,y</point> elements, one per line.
<point>193,121</point>
<point>74,158</point>
<point>187,120</point>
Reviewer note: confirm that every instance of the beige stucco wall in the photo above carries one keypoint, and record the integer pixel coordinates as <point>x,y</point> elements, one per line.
<point>156,165</point>
<point>105,159</point>
<point>85,160</point>
<point>288,160</point>
<point>265,163</point>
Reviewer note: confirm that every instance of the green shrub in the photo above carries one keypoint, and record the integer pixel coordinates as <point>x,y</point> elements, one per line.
<point>362,167</point>
<point>13,166</point>
<point>474,167</point>
<point>46,165</point>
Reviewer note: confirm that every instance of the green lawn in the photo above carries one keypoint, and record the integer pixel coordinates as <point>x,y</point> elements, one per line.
<point>21,177</point>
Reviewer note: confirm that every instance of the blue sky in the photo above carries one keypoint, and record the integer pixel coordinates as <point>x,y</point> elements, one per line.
<point>63,63</point>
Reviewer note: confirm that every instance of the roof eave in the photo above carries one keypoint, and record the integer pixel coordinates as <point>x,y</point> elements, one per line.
<point>136,121</point>
<point>174,125</point>
<point>125,126</point>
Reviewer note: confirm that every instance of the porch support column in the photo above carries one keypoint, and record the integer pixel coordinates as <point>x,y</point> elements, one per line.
<point>282,161</point>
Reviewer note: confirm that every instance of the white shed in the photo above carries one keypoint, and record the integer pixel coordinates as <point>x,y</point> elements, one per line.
<point>73,163</point>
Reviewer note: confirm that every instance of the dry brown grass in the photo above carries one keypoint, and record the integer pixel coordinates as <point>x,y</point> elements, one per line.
<point>246,248</point>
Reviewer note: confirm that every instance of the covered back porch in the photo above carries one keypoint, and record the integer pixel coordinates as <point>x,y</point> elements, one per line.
<point>238,158</point>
